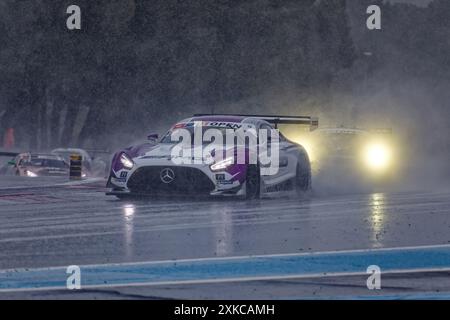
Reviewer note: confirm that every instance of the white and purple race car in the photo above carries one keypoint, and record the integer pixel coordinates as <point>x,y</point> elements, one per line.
<point>215,155</point>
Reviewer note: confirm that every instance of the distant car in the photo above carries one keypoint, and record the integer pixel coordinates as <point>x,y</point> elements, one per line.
<point>91,167</point>
<point>39,165</point>
<point>6,166</point>
<point>149,169</point>
<point>367,153</point>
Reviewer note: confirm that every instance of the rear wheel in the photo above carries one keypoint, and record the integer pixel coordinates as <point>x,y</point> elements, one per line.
<point>252,182</point>
<point>303,175</point>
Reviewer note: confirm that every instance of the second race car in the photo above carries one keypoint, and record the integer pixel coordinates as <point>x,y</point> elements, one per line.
<point>351,156</point>
<point>37,164</point>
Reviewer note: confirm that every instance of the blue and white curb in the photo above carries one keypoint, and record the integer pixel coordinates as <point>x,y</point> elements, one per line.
<point>245,268</point>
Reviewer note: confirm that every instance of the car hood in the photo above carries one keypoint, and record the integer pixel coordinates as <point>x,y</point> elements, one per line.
<point>164,151</point>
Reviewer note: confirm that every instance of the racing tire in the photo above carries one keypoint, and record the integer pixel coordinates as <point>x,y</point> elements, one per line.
<point>303,175</point>
<point>252,182</point>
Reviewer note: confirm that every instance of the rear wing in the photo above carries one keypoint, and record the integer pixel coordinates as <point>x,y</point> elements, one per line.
<point>312,122</point>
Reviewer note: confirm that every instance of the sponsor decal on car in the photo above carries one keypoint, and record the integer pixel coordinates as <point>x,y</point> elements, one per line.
<point>229,125</point>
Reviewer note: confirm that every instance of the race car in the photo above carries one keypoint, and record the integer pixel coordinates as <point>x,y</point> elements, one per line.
<point>156,169</point>
<point>37,165</point>
<point>365,155</point>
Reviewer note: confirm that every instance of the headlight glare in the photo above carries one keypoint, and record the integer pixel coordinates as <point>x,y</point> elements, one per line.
<point>126,161</point>
<point>378,156</point>
<point>31,174</point>
<point>223,164</point>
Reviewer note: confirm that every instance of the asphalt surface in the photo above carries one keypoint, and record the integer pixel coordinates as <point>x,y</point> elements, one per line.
<point>53,223</point>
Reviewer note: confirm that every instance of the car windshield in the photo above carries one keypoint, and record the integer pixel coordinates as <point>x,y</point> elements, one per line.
<point>240,133</point>
<point>44,162</point>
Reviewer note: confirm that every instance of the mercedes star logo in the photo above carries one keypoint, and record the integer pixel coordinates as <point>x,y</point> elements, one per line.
<point>167,175</point>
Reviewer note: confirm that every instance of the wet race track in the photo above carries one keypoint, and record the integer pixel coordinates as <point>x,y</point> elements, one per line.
<point>317,247</point>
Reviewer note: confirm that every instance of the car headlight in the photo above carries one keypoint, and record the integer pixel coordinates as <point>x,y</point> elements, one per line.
<point>377,156</point>
<point>31,174</point>
<point>223,164</point>
<point>126,161</point>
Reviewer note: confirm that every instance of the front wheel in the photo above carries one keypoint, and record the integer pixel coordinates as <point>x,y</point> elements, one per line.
<point>252,182</point>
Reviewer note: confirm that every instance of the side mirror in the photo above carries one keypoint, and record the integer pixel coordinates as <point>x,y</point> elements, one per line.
<point>11,163</point>
<point>152,136</point>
